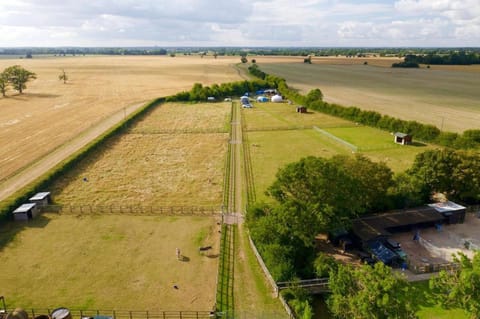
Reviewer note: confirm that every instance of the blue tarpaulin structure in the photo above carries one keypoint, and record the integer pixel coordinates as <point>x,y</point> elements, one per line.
<point>382,253</point>
<point>262,99</point>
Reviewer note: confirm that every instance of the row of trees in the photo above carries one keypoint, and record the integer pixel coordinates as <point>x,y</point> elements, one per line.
<point>16,77</point>
<point>425,132</point>
<point>201,93</point>
<point>453,58</point>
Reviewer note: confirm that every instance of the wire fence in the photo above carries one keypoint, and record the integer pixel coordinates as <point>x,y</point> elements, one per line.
<point>124,314</point>
<point>177,131</point>
<point>92,209</point>
<point>335,138</point>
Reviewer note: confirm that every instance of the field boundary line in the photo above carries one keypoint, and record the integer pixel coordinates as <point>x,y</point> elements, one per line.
<point>278,128</point>
<point>335,138</point>
<point>92,209</point>
<point>176,131</point>
<point>249,178</point>
<point>126,314</point>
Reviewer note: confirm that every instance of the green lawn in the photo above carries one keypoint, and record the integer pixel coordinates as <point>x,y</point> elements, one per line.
<point>379,146</point>
<point>109,262</point>
<point>282,115</point>
<point>271,150</point>
<point>430,310</point>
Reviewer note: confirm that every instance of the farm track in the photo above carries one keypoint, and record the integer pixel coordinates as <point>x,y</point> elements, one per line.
<point>36,169</point>
<point>233,204</point>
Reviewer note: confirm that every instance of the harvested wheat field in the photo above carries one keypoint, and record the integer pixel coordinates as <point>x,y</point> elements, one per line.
<point>110,262</point>
<point>150,170</point>
<point>446,97</point>
<point>50,113</point>
<point>176,117</point>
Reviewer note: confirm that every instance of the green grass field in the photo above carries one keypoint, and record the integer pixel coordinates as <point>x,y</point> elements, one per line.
<point>378,145</point>
<point>109,262</point>
<point>438,96</point>
<point>272,149</point>
<point>282,115</point>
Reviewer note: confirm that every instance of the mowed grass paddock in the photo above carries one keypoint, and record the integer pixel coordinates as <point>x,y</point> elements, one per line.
<point>50,113</point>
<point>110,262</point>
<point>156,169</point>
<point>445,97</point>
<point>271,149</point>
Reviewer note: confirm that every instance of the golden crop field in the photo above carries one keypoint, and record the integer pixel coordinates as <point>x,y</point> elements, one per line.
<point>50,113</point>
<point>147,168</point>
<point>445,96</point>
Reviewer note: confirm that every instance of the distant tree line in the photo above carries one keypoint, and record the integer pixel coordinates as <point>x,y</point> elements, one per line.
<point>232,51</point>
<point>425,132</point>
<point>405,64</point>
<point>455,58</point>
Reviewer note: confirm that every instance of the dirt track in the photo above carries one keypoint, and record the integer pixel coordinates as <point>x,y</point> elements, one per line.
<point>38,168</point>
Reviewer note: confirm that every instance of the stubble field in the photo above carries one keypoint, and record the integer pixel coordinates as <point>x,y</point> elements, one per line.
<point>181,166</point>
<point>50,113</point>
<point>445,96</point>
<point>90,260</point>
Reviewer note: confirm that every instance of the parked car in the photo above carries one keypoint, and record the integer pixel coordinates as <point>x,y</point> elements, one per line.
<point>396,247</point>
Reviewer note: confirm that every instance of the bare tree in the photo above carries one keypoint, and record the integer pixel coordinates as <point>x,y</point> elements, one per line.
<point>63,76</point>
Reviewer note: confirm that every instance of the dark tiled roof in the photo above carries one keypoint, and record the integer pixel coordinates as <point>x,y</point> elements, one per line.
<point>370,227</point>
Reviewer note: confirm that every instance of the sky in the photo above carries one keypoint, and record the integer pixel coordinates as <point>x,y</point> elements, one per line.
<point>312,23</point>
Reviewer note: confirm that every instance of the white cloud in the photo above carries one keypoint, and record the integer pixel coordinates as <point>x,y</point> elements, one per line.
<point>240,22</point>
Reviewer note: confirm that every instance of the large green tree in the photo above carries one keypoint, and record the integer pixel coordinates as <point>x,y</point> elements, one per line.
<point>18,77</point>
<point>460,288</point>
<point>370,293</point>
<point>3,83</point>
<point>453,173</point>
<point>337,189</point>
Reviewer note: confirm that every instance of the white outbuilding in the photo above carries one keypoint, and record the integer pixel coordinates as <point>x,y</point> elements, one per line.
<point>41,199</point>
<point>25,211</point>
<point>277,98</point>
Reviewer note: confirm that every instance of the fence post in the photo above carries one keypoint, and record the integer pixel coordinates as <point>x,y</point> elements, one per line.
<point>114,314</point>
<point>130,314</point>
<point>147,314</point>
<point>33,313</point>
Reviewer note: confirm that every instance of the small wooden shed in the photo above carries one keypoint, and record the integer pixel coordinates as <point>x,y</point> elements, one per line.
<point>25,211</point>
<point>41,199</point>
<point>402,138</point>
<point>301,109</point>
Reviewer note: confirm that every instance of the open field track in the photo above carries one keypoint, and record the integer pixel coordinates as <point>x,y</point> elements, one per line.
<point>50,114</point>
<point>445,97</point>
<point>110,262</point>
